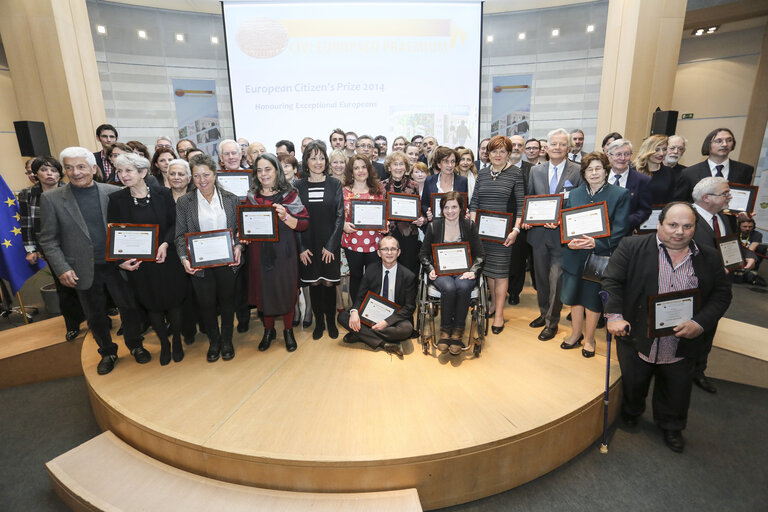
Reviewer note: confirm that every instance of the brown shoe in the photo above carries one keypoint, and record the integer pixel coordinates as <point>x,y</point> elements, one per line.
<point>457,342</point>
<point>393,349</point>
<point>444,341</point>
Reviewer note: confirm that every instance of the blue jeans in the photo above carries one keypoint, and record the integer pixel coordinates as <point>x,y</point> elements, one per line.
<point>454,300</point>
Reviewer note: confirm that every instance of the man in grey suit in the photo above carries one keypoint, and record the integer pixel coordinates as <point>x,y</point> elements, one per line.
<point>558,176</point>
<point>73,235</point>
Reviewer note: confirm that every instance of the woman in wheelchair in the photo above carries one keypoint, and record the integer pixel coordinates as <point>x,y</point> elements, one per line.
<point>454,290</point>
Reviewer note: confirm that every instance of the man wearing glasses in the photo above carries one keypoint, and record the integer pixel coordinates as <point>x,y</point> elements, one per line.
<point>230,155</point>
<point>365,148</point>
<point>717,147</point>
<point>623,174</point>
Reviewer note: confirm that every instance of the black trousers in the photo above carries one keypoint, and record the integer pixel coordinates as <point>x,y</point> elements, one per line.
<point>517,259</point>
<point>357,262</point>
<point>671,392</point>
<point>215,292</point>
<point>395,333</point>
<point>93,300</point>
<point>69,303</point>
<point>242,308</point>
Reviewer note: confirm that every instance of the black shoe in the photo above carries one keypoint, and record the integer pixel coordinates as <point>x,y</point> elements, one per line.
<point>414,334</point>
<point>242,326</point>
<point>177,349</point>
<point>333,331</point>
<point>165,353</point>
<point>350,338</point>
<point>213,352</point>
<point>227,351</point>
<point>538,322</point>
<point>704,383</point>
<point>513,300</point>
<point>547,333</point>
<point>630,421</point>
<point>565,346</point>
<point>393,349</point>
<point>497,330</point>
<point>113,312</point>
<point>106,365</point>
<point>120,330</point>
<point>587,353</point>
<point>569,317</point>
<point>141,355</point>
<point>290,341</point>
<point>674,440</point>
<point>759,281</point>
<point>188,340</point>
<point>319,329</point>
<point>71,335</point>
<point>266,340</point>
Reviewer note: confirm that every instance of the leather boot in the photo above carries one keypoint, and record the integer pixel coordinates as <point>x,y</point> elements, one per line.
<point>317,333</point>
<point>290,341</point>
<point>177,349</point>
<point>165,351</point>
<point>266,341</point>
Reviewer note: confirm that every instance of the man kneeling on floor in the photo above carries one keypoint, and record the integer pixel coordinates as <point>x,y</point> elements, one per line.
<point>394,283</point>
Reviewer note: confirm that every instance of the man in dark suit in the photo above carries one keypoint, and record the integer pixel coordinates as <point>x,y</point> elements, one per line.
<point>654,264</point>
<point>364,146</point>
<point>623,174</point>
<point>393,282</point>
<point>558,176</point>
<point>711,196</point>
<point>521,251</point>
<point>577,142</point>
<point>107,135</point>
<point>73,236</point>
<point>717,146</point>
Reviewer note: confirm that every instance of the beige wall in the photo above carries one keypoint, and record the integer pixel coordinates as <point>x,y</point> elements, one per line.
<point>11,162</point>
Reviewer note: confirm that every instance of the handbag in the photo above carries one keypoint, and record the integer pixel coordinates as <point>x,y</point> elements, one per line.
<point>595,267</point>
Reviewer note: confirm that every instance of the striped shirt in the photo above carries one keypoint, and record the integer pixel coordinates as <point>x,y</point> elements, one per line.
<point>672,279</point>
<point>315,192</point>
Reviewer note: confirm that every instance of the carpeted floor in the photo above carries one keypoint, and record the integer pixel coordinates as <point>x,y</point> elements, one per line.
<point>723,467</point>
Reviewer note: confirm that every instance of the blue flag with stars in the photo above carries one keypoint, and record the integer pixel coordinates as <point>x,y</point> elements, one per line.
<point>13,257</point>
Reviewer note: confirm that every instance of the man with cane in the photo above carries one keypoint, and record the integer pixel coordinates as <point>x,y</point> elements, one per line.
<point>643,274</point>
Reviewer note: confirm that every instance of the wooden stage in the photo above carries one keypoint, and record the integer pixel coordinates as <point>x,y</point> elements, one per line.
<point>332,417</point>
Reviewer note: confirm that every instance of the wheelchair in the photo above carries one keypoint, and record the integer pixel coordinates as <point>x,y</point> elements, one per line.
<point>428,304</point>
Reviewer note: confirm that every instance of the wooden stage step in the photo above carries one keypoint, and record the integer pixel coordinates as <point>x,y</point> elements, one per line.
<point>107,474</point>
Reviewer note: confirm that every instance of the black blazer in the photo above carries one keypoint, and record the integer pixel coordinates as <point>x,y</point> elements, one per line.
<point>632,275</point>
<point>379,168</point>
<point>738,172</point>
<point>405,290</point>
<point>460,184</point>
<point>120,209</point>
<point>705,235</point>
<point>639,186</point>
<point>436,235</point>
<point>331,195</point>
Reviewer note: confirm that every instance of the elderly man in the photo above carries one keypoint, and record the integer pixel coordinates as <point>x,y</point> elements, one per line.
<point>675,151</point>
<point>717,147</point>
<point>577,142</point>
<point>428,143</point>
<point>647,265</point>
<point>73,237</point>
<point>623,174</point>
<point>229,155</point>
<point>365,148</point>
<point>243,143</point>
<point>255,149</point>
<point>337,139</point>
<point>558,176</point>
<point>711,197</point>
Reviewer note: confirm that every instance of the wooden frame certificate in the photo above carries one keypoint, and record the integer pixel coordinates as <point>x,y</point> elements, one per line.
<point>210,248</point>
<point>368,213</point>
<point>435,203</point>
<point>406,207</point>
<point>132,241</point>
<point>590,220</point>
<point>650,225</point>
<point>237,182</point>
<point>731,251</point>
<point>742,198</point>
<point>376,308</point>
<point>451,259</point>
<point>493,226</point>
<point>540,210</point>
<point>668,310</point>
<point>257,223</point>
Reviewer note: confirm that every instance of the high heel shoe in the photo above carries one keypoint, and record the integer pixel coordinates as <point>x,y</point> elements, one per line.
<point>177,349</point>
<point>565,346</point>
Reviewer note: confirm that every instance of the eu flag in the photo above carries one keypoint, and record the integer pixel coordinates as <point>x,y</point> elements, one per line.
<point>13,262</point>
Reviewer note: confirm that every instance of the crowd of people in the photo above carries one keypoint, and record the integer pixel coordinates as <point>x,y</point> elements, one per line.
<point>320,253</point>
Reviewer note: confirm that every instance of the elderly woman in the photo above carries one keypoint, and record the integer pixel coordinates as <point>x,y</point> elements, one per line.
<point>47,173</point>
<point>160,162</point>
<point>320,244</point>
<point>406,233</point>
<point>455,290</point>
<point>499,188</point>
<point>209,208</point>
<point>179,178</point>
<point>466,168</point>
<point>158,285</point>
<point>580,294</point>
<point>273,266</point>
<point>650,161</point>
<point>444,161</point>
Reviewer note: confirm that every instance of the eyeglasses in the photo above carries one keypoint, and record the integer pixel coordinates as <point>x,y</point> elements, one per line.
<point>163,146</point>
<point>620,155</point>
<point>388,249</point>
<point>729,140</point>
<point>231,153</point>
<point>722,194</point>
<point>365,146</point>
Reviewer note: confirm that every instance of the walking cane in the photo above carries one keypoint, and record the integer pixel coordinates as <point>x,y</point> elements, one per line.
<point>604,445</point>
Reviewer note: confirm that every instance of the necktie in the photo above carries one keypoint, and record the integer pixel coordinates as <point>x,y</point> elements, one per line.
<point>719,169</point>
<point>617,180</point>
<point>553,181</point>
<point>716,226</point>
<point>385,286</point>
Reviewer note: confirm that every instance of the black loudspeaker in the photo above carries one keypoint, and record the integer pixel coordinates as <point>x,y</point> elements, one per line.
<point>664,122</point>
<point>32,138</point>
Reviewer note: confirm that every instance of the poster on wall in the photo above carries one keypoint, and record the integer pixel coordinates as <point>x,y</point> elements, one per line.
<point>511,105</point>
<point>761,203</point>
<point>197,112</point>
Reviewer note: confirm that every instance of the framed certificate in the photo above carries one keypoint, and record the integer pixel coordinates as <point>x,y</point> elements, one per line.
<point>540,210</point>
<point>742,198</point>
<point>435,200</point>
<point>132,241</point>
<point>257,223</point>
<point>376,308</point>
<point>405,207</point>
<point>451,259</point>
<point>731,251</point>
<point>668,310</point>
<point>210,248</point>
<point>590,220</point>
<point>368,213</point>
<point>652,222</point>
<point>237,182</point>
<point>493,226</point>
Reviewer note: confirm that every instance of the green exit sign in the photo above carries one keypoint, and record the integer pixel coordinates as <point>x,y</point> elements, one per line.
<point>687,116</point>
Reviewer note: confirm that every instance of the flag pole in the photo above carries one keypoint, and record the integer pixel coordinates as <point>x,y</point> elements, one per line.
<point>21,306</point>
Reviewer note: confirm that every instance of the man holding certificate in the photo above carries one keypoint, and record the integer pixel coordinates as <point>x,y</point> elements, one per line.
<point>382,312</point>
<point>666,295</point>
